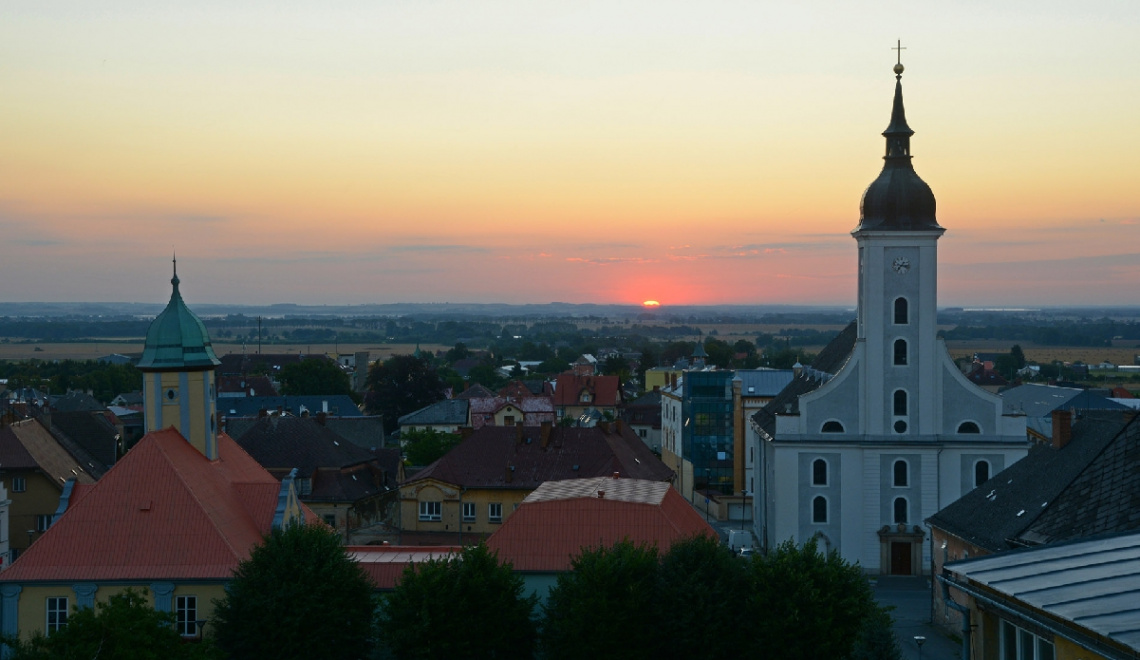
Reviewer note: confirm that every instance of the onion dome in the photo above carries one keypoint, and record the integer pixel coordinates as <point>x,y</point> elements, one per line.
<point>898,200</point>
<point>177,339</point>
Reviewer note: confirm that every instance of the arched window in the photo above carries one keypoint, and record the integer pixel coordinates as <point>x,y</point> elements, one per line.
<point>901,507</point>
<point>900,403</point>
<point>901,312</point>
<point>819,510</point>
<point>968,427</point>
<point>981,472</point>
<point>832,427</point>
<point>900,474</point>
<point>900,351</point>
<point>819,472</point>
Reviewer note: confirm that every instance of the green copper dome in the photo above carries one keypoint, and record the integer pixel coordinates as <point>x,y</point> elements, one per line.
<point>177,340</point>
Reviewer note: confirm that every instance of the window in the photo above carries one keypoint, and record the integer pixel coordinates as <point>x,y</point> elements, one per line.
<point>901,316</point>
<point>968,427</point>
<point>509,420</point>
<point>56,614</point>
<point>981,472</point>
<point>186,616</point>
<point>900,351</point>
<point>819,510</point>
<point>431,511</point>
<point>901,507</point>
<point>468,512</point>
<point>19,485</point>
<point>819,472</point>
<point>900,403</point>
<point>495,512</point>
<point>901,474</point>
<point>832,427</point>
<point>1020,644</point>
<point>900,426</point>
<point>43,521</point>
<point>330,519</point>
<point>644,433</point>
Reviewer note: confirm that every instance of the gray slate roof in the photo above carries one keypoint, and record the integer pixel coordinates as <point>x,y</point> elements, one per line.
<point>1088,487</point>
<point>764,382</point>
<point>448,411</point>
<point>249,406</point>
<point>1041,400</point>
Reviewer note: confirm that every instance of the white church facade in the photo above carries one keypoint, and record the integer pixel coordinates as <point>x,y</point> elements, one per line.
<point>885,430</point>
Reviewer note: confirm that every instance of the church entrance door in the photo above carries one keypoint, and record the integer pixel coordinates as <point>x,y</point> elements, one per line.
<point>900,558</point>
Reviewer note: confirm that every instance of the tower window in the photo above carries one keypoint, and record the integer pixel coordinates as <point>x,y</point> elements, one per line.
<point>901,316</point>
<point>981,472</point>
<point>900,506</point>
<point>832,427</point>
<point>901,474</point>
<point>900,426</point>
<point>900,351</point>
<point>819,472</point>
<point>900,403</point>
<point>968,427</point>
<point>819,510</point>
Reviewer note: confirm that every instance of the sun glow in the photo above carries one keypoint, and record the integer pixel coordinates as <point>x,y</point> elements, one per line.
<point>651,303</point>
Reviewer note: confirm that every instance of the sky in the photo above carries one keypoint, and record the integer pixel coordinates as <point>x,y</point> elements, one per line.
<point>529,152</point>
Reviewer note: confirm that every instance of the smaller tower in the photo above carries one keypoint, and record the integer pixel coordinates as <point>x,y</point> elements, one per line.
<point>178,365</point>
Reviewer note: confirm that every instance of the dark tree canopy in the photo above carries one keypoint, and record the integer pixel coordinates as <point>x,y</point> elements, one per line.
<point>469,606</point>
<point>315,376</point>
<point>299,595</point>
<point>704,589</point>
<point>126,626</point>
<point>400,385</point>
<point>426,446</point>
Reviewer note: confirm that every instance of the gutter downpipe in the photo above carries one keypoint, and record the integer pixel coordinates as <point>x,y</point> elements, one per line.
<point>961,609</point>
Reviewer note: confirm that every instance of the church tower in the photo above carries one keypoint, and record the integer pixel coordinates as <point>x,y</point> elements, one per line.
<point>178,365</point>
<point>898,285</point>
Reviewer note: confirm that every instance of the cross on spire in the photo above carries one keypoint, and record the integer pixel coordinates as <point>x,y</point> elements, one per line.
<point>900,48</point>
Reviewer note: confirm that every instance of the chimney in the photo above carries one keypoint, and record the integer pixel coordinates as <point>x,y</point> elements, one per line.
<point>519,432</point>
<point>546,428</point>
<point>465,432</point>
<point>604,426</point>
<point>510,473</point>
<point>617,426</point>
<point>321,417</point>
<point>617,475</point>
<point>656,388</point>
<point>1062,428</point>
<point>601,494</point>
<point>324,406</point>
<point>263,413</point>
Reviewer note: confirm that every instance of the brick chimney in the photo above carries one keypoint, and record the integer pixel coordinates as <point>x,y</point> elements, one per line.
<point>1062,428</point>
<point>519,432</point>
<point>322,417</point>
<point>546,428</point>
<point>510,473</point>
<point>605,427</point>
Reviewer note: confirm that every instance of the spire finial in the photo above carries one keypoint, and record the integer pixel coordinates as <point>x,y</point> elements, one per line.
<point>174,280</point>
<point>898,66</point>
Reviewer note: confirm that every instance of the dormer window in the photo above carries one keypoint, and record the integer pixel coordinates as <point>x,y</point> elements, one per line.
<point>585,398</point>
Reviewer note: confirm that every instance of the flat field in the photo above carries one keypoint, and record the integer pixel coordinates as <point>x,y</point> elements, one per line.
<point>92,350</point>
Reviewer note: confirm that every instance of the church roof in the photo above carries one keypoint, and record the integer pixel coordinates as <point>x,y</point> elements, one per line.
<point>898,200</point>
<point>829,361</point>
<point>177,338</point>
<point>1082,489</point>
<point>163,512</point>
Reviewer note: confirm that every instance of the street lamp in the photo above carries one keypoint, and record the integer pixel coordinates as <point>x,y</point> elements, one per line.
<point>920,640</point>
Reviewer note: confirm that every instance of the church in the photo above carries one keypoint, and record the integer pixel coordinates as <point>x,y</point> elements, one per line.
<point>882,430</point>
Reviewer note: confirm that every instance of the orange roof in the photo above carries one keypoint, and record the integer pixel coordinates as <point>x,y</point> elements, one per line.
<point>386,563</point>
<point>559,519</point>
<point>162,512</point>
<point>605,391</point>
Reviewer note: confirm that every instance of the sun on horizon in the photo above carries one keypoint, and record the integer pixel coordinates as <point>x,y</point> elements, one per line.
<point>650,303</point>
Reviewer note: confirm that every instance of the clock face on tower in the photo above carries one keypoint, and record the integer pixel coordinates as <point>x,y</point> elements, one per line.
<point>901,265</point>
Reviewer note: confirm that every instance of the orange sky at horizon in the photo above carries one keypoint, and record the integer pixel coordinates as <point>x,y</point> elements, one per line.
<point>526,152</point>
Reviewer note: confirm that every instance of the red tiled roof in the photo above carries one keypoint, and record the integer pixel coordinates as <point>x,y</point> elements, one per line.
<point>558,520</point>
<point>604,390</point>
<point>484,459</point>
<point>163,512</point>
<point>386,563</point>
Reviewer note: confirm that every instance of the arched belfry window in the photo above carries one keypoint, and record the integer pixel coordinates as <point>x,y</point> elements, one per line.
<point>902,316</point>
<point>981,472</point>
<point>900,351</point>
<point>819,472</point>
<point>819,509</point>
<point>900,403</point>
<point>901,506</point>
<point>968,427</point>
<point>901,474</point>
<point>832,427</point>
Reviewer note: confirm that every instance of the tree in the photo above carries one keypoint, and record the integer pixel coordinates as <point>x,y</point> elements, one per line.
<point>125,626</point>
<point>807,603</point>
<point>459,352</point>
<point>616,365</point>
<point>315,376</point>
<point>400,385</point>
<point>877,639</point>
<point>606,606</point>
<point>426,446</point>
<point>299,595</point>
<point>704,590</point>
<point>466,606</point>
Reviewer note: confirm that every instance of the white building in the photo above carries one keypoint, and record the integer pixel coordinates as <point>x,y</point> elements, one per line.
<point>858,452</point>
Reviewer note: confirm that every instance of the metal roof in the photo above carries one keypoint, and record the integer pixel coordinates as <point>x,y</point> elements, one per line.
<point>1094,585</point>
<point>177,338</point>
<point>764,382</point>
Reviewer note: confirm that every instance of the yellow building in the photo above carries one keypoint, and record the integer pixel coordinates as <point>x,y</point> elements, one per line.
<point>174,516</point>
